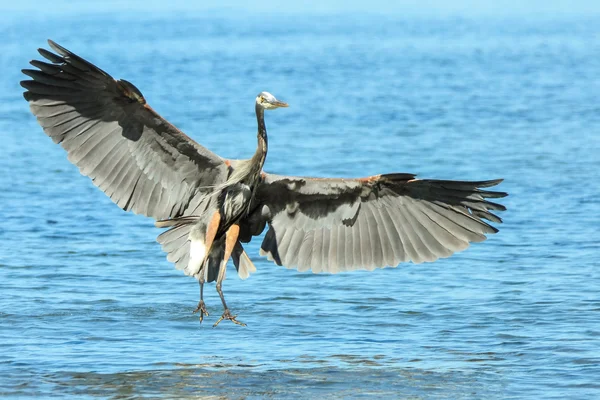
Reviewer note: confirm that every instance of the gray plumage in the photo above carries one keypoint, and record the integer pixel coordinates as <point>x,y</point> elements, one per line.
<point>212,205</point>
<point>141,161</point>
<point>378,222</point>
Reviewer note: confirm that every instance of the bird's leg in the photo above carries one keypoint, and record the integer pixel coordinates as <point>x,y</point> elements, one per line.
<point>201,306</point>
<point>211,231</point>
<point>231,237</point>
<point>226,313</point>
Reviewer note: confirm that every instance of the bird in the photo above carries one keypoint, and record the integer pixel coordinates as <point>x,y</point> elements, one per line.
<point>210,206</point>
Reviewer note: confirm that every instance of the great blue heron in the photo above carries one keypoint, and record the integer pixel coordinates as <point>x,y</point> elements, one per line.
<point>212,205</point>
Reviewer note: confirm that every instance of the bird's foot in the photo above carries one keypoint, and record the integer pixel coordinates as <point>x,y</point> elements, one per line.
<point>202,308</point>
<point>227,315</point>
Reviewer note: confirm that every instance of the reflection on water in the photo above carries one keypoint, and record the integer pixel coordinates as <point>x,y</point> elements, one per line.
<point>243,381</point>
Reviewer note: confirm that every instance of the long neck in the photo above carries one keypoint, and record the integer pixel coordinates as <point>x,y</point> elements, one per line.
<point>263,142</point>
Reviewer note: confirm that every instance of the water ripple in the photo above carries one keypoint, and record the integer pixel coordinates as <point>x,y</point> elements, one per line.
<point>89,306</point>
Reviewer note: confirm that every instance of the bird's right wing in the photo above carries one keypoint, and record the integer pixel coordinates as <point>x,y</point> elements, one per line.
<point>333,225</point>
<point>141,161</point>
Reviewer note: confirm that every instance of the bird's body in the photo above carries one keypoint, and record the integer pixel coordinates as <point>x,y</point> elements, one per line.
<point>215,231</point>
<point>212,205</point>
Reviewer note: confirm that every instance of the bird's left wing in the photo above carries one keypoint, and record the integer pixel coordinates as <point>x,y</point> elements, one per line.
<point>334,225</point>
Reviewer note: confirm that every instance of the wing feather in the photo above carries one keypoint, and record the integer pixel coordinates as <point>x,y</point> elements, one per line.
<point>419,236</point>
<point>323,263</point>
<point>442,240</point>
<point>333,225</point>
<point>341,247</point>
<point>306,252</point>
<point>419,251</point>
<point>432,236</point>
<point>385,237</point>
<point>332,258</point>
<point>354,253</point>
<point>399,254</point>
<point>294,246</point>
<point>141,161</point>
<point>405,244</point>
<point>283,246</point>
<point>317,248</point>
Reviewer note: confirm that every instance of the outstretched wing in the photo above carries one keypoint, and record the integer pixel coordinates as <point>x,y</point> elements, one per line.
<point>135,156</point>
<point>333,225</point>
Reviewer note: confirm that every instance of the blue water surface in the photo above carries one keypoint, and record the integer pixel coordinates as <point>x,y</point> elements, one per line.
<point>89,306</point>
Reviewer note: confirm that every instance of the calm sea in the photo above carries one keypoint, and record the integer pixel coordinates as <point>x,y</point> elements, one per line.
<point>89,306</point>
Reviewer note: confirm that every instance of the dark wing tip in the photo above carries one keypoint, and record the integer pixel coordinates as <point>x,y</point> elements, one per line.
<point>490,183</point>
<point>58,48</point>
<point>492,194</point>
<point>26,84</point>
<point>32,73</point>
<point>48,55</point>
<point>27,94</point>
<point>494,206</point>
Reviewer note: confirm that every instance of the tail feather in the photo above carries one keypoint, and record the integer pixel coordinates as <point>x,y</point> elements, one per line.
<point>176,242</point>
<point>242,262</point>
<point>186,249</point>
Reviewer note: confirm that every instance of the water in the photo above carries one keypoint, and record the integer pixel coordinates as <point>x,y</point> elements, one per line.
<point>89,306</point>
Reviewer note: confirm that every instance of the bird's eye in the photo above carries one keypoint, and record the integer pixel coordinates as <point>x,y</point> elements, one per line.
<point>262,99</point>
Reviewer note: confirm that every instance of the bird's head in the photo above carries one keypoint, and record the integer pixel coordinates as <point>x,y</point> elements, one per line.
<point>268,102</point>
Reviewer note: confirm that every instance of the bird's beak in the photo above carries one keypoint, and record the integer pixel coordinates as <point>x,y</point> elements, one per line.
<point>278,103</point>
